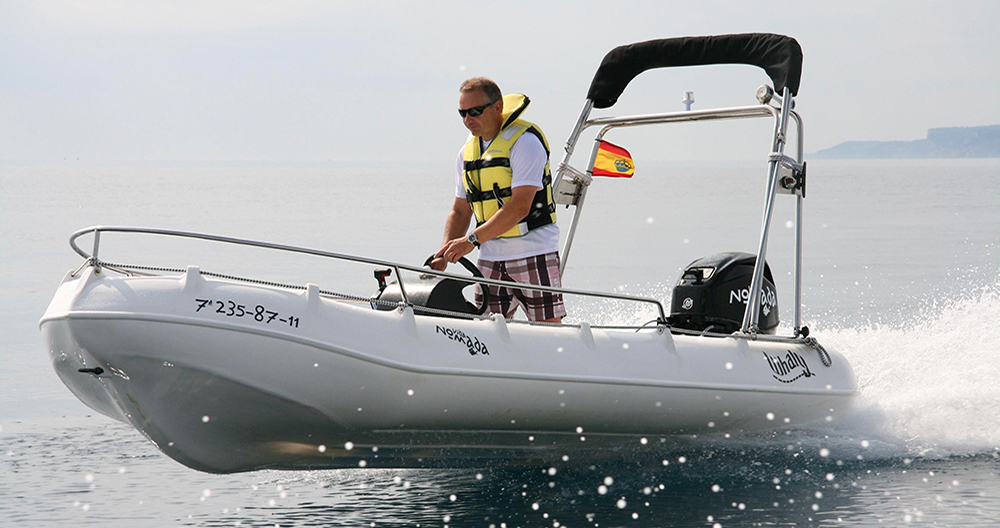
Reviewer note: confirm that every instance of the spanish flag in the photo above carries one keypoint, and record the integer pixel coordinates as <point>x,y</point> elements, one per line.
<point>613,161</point>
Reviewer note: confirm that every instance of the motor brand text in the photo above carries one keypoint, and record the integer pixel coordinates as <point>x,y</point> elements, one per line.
<point>768,299</point>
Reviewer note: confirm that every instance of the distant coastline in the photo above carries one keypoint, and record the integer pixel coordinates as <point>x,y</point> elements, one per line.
<point>956,142</point>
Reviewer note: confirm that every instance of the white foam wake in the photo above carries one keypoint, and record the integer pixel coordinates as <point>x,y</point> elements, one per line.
<point>932,385</point>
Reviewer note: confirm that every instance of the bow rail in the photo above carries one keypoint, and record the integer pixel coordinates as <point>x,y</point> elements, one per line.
<point>93,259</point>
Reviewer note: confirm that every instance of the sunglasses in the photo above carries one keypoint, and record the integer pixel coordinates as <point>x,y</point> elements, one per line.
<point>475,111</point>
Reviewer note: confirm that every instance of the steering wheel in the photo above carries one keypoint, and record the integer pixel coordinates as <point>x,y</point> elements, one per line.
<point>474,270</point>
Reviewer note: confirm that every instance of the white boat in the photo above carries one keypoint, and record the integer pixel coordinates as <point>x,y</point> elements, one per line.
<point>227,374</point>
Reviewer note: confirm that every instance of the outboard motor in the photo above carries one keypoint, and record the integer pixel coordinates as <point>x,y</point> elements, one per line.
<point>713,291</point>
<point>430,291</point>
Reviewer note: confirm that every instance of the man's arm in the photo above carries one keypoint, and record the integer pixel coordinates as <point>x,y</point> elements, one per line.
<point>458,220</point>
<point>513,211</point>
<point>505,218</point>
<point>454,227</point>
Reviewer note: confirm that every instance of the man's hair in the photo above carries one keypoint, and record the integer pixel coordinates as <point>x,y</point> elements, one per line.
<point>487,86</point>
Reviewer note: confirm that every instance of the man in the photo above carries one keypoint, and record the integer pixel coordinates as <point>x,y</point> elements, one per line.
<point>502,178</point>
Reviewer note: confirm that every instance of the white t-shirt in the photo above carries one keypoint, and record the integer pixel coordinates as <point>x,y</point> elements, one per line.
<point>527,162</point>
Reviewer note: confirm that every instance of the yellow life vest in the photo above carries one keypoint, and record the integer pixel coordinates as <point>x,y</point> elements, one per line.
<point>487,176</point>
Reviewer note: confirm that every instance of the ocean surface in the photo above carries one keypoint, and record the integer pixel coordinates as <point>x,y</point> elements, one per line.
<point>902,275</point>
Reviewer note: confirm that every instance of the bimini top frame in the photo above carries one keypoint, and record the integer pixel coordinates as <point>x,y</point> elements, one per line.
<point>779,56</point>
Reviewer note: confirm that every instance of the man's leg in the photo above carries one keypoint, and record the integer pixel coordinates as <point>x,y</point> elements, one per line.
<point>502,299</point>
<point>542,270</point>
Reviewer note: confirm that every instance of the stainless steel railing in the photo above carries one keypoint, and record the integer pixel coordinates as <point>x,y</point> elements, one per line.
<point>93,259</point>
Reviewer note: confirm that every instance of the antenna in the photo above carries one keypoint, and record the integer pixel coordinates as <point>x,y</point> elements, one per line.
<point>688,100</point>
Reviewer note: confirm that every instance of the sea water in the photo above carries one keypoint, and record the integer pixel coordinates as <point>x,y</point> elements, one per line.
<point>901,274</point>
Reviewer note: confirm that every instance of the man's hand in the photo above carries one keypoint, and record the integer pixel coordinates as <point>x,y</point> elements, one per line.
<point>451,251</point>
<point>439,264</point>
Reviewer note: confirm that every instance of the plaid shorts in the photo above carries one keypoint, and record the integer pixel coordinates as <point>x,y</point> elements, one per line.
<point>542,270</point>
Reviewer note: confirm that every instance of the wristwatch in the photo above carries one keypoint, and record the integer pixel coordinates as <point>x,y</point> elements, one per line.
<point>473,239</point>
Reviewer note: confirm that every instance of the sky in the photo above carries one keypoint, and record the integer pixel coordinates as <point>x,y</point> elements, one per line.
<point>376,82</point>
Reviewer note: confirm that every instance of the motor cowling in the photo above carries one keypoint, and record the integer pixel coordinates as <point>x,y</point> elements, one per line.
<point>712,295</point>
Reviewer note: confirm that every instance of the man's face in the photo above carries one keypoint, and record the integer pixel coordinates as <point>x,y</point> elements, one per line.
<point>487,124</point>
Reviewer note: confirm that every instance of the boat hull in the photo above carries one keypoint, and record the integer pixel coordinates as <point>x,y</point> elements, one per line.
<point>328,383</point>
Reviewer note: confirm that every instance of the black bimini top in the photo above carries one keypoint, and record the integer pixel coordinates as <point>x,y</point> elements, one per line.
<point>778,55</point>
